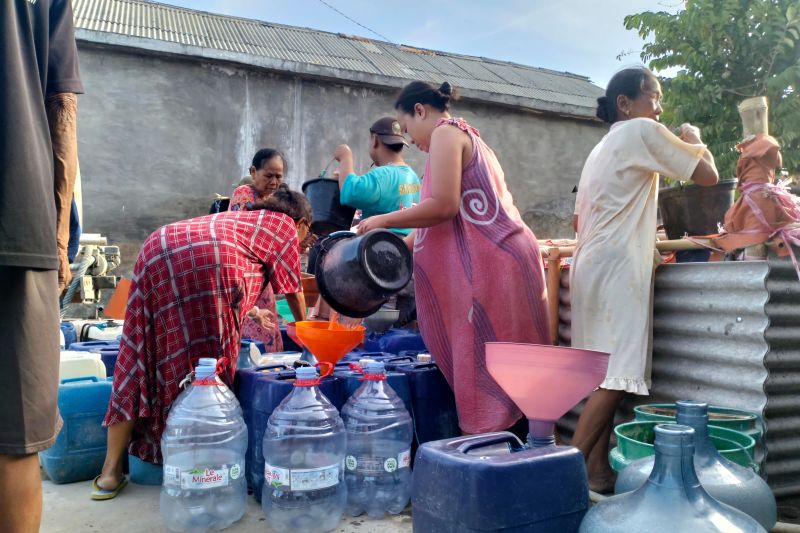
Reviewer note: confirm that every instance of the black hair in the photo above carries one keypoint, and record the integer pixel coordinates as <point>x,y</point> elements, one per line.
<point>628,81</point>
<point>396,148</point>
<point>420,92</point>
<point>266,154</point>
<point>289,202</point>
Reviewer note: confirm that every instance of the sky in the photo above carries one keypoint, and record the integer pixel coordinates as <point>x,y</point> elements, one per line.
<point>579,36</point>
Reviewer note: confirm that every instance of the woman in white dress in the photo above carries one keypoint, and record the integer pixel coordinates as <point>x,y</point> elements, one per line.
<point>612,274</point>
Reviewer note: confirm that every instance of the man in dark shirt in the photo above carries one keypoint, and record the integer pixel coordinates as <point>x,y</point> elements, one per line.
<point>38,159</point>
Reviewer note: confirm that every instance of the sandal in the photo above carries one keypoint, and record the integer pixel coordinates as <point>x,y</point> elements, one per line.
<point>99,493</point>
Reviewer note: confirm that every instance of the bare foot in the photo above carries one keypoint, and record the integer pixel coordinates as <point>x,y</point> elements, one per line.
<point>603,484</point>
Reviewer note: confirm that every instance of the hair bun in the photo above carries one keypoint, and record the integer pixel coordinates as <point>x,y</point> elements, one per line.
<point>602,109</point>
<point>446,89</point>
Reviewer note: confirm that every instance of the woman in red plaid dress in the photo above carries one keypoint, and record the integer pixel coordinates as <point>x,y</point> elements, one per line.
<point>195,282</point>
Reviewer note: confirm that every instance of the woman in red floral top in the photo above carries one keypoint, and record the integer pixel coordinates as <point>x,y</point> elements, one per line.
<point>195,283</point>
<point>267,172</point>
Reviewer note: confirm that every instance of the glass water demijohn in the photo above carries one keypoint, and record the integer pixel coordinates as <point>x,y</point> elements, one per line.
<point>671,500</point>
<point>203,446</point>
<point>724,480</point>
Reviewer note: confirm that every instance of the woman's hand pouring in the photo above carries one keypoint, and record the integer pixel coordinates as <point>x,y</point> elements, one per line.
<point>376,222</point>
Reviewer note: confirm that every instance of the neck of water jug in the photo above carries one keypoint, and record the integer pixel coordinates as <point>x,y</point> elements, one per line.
<point>541,433</point>
<point>674,468</point>
<point>702,443</point>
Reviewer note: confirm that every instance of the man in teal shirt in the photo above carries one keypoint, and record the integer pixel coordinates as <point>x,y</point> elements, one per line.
<point>391,186</point>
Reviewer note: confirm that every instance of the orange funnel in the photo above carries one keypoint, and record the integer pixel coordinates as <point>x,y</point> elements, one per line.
<point>291,331</point>
<point>328,341</point>
<point>545,381</point>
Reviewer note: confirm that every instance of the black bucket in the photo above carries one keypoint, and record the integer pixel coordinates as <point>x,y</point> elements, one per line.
<point>693,210</point>
<point>357,275</point>
<point>329,214</point>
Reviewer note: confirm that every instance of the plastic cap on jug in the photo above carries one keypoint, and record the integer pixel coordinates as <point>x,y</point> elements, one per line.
<point>375,367</point>
<point>306,372</point>
<point>692,413</point>
<point>424,358</point>
<point>206,366</point>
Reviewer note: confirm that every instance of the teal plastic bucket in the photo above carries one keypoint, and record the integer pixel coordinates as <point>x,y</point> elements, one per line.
<point>635,441</point>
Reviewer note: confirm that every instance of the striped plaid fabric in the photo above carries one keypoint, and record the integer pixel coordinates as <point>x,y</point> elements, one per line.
<point>192,285</point>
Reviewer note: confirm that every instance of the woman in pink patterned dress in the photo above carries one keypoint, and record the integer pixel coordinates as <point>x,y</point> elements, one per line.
<point>266,171</point>
<point>477,267</point>
<point>195,284</point>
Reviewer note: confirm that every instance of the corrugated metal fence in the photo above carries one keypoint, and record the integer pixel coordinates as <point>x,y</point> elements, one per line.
<point>727,333</point>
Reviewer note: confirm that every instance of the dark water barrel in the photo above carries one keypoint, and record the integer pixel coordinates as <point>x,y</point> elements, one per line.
<point>694,210</point>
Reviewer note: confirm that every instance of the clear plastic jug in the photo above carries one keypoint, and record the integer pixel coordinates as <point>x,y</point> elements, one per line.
<point>203,446</point>
<point>304,451</point>
<point>379,434</point>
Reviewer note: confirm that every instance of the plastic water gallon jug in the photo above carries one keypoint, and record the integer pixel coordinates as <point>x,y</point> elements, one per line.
<point>80,448</point>
<point>109,357</point>
<point>92,346</point>
<point>726,481</point>
<point>249,353</point>
<point>268,393</point>
<point>81,365</point>
<point>493,483</point>
<point>671,500</point>
<point>69,333</point>
<point>396,341</point>
<point>243,386</point>
<point>304,451</point>
<point>104,331</point>
<point>203,446</point>
<point>351,376</point>
<point>379,434</point>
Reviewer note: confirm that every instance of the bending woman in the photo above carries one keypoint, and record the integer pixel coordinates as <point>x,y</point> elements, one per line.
<point>477,266</point>
<point>612,274</point>
<point>195,283</point>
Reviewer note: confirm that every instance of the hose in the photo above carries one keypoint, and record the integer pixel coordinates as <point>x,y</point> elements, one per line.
<point>79,272</point>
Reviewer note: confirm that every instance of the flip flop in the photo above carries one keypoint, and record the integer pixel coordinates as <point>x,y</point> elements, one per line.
<point>99,493</point>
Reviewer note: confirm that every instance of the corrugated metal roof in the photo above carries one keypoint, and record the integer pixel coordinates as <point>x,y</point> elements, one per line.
<point>729,334</point>
<point>150,20</point>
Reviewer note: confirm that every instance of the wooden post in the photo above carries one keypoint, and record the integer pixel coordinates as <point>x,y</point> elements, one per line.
<point>553,290</point>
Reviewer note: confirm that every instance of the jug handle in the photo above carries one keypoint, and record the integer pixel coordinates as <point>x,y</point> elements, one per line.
<point>488,439</point>
<point>82,378</point>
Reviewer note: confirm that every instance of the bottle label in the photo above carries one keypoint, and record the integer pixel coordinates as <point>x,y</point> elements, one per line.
<point>378,465</point>
<point>300,479</point>
<point>207,477</point>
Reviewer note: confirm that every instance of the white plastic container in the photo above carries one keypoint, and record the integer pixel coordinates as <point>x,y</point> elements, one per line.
<point>110,330</point>
<point>81,365</point>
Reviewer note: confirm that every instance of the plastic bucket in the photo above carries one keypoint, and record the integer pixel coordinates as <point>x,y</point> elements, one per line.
<point>694,210</point>
<point>356,275</point>
<point>742,421</point>
<point>329,214</point>
<point>635,441</point>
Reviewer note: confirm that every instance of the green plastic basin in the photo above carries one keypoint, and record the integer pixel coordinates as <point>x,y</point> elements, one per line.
<point>742,421</point>
<point>635,441</point>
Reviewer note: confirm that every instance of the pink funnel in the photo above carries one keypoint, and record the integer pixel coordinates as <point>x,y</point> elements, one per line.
<point>544,381</point>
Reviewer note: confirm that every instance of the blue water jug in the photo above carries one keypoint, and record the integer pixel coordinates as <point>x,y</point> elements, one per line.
<point>91,346</point>
<point>70,334</point>
<point>493,483</point>
<point>304,451</point>
<point>80,448</point>
<point>395,341</point>
<point>109,355</point>
<point>433,406</point>
<point>724,480</point>
<point>379,435</point>
<point>268,393</point>
<point>243,386</point>
<point>671,500</point>
<point>203,447</point>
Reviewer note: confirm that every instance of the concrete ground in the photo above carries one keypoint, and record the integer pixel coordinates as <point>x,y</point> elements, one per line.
<point>68,509</point>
